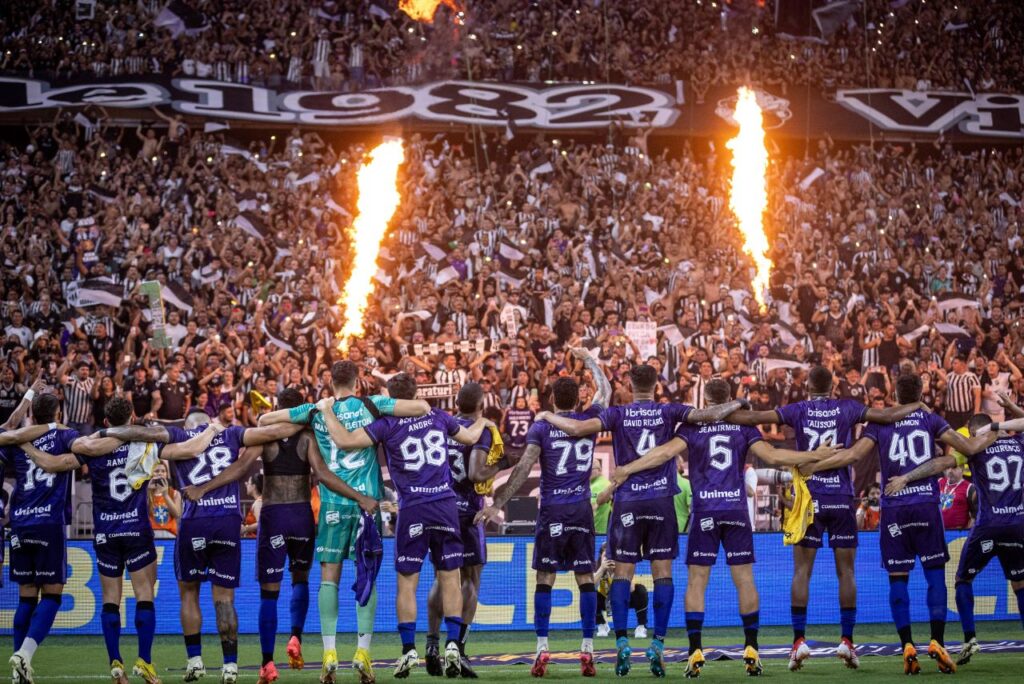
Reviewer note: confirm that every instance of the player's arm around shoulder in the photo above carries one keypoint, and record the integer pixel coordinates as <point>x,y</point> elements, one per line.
<point>515,482</point>
<point>51,463</point>
<point>789,457</point>
<point>652,459</point>
<point>300,414</point>
<point>349,441</point>
<point>334,483</point>
<point>403,408</point>
<point>270,433</point>
<point>893,414</point>
<point>94,445</point>
<point>182,450</point>
<point>575,428</point>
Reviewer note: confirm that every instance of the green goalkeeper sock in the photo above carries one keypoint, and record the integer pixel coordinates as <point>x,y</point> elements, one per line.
<point>327,601</point>
<point>364,619</point>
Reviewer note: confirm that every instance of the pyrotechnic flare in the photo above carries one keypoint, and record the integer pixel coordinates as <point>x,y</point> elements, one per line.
<point>423,10</point>
<point>378,200</point>
<point>748,193</point>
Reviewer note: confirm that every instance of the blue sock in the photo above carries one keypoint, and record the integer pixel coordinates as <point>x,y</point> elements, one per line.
<point>407,630</point>
<point>43,616</point>
<point>23,618</point>
<point>937,597</point>
<point>847,621</point>
<point>542,609</point>
<point>899,603</point>
<point>664,594</point>
<point>588,609</point>
<point>1020,603</point>
<point>798,616</point>
<point>694,626</point>
<point>751,624</point>
<point>268,623</point>
<point>965,606</point>
<point>299,607</point>
<point>619,600</point>
<point>453,625</point>
<point>145,628</point>
<point>193,645</point>
<point>110,622</point>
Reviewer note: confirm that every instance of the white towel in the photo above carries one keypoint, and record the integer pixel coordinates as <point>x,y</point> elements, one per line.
<point>142,459</point>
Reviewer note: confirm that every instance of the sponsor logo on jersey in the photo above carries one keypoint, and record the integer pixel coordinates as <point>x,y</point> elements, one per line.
<point>332,517</point>
<point>555,529</point>
<point>894,530</point>
<point>986,546</point>
<point>101,538</point>
<point>415,530</point>
<point>198,543</point>
<point>626,519</point>
<point>707,524</point>
<point>277,541</point>
<point>15,542</point>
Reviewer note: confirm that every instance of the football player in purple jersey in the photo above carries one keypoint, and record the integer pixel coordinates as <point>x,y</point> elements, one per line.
<point>999,531</point>
<point>911,522</point>
<point>416,449</point>
<point>123,536</point>
<point>717,455</point>
<point>469,467</point>
<point>817,420</point>
<point>643,523</point>
<point>565,521</point>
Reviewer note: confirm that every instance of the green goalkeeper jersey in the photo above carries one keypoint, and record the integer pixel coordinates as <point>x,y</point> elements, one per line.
<point>358,469</point>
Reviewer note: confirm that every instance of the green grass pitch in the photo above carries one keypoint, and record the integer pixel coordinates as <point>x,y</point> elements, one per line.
<point>83,658</point>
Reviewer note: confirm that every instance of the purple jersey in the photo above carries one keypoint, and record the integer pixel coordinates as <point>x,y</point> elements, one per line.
<point>517,425</point>
<point>819,420</point>
<point>904,445</point>
<point>41,498</point>
<point>999,476</point>
<point>417,454</point>
<point>565,462</point>
<point>222,452</point>
<point>116,507</point>
<point>467,498</point>
<point>636,429</point>
<point>717,454</point>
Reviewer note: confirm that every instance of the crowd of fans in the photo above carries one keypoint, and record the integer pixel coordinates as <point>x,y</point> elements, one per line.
<point>352,44</point>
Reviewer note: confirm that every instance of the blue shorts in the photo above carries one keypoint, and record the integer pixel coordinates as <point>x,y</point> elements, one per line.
<point>907,533</point>
<point>433,527</point>
<point>474,543</point>
<point>728,529</point>
<point>643,529</point>
<point>39,555</point>
<point>120,550</point>
<point>836,516</point>
<point>209,549</point>
<point>1005,542</point>
<point>286,533</point>
<point>565,538</point>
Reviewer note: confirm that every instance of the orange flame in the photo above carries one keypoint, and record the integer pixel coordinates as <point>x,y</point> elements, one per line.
<point>748,196</point>
<point>423,10</point>
<point>378,200</point>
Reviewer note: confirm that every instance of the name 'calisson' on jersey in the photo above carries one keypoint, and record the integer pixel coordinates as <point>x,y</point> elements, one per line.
<point>636,429</point>
<point>816,422</point>
<point>222,452</point>
<point>565,461</point>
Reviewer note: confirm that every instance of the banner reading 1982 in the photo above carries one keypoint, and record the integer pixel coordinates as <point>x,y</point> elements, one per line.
<point>797,111</point>
<point>506,595</point>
